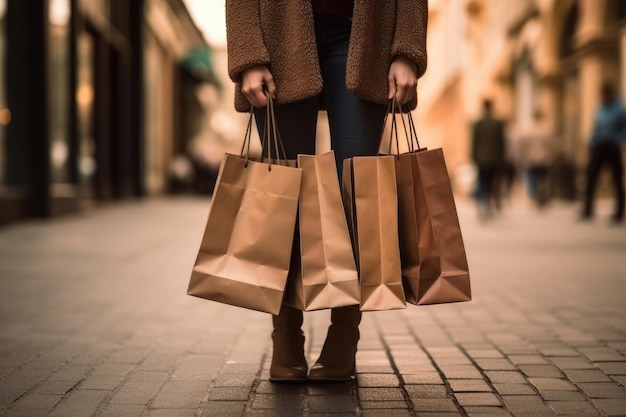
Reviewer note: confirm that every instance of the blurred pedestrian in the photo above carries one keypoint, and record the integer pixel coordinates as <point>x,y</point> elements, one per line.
<point>537,157</point>
<point>511,166</point>
<point>298,52</point>
<point>605,149</point>
<point>207,158</point>
<point>513,159</point>
<point>488,153</point>
<point>181,175</point>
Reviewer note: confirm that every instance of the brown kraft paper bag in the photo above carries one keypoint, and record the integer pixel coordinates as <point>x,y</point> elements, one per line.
<point>246,247</point>
<point>434,262</point>
<point>370,197</point>
<point>323,271</point>
<point>444,272</point>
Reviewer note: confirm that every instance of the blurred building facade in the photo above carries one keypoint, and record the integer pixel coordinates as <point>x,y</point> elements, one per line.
<point>525,55</point>
<point>96,97</point>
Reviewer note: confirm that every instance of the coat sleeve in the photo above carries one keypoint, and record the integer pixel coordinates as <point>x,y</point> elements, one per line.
<point>410,32</point>
<point>244,37</point>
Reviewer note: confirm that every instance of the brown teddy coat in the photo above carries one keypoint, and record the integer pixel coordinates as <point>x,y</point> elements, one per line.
<point>281,35</point>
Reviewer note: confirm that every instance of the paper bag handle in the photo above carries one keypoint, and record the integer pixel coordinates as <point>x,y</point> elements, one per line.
<point>270,136</point>
<point>410,133</point>
<point>413,134</point>
<point>247,136</point>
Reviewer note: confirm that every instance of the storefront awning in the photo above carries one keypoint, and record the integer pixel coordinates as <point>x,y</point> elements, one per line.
<point>199,63</point>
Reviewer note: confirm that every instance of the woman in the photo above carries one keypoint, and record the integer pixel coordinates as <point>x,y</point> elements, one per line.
<point>349,57</point>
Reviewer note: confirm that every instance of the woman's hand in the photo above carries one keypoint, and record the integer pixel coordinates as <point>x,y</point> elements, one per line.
<point>252,83</point>
<point>402,80</point>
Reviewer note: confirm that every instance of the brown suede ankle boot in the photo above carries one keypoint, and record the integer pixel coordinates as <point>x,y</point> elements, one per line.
<point>337,360</point>
<point>288,361</point>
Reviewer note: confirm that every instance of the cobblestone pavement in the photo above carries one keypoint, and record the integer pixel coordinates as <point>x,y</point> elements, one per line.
<point>94,321</point>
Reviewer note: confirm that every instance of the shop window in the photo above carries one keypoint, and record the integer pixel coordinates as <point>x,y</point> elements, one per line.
<point>5,114</point>
<point>85,95</point>
<point>58,105</point>
<point>99,9</point>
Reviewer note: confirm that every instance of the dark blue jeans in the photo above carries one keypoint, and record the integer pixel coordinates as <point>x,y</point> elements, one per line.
<point>355,124</point>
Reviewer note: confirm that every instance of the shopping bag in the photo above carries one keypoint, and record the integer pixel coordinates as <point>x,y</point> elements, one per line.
<point>370,198</point>
<point>434,262</point>
<point>245,252</point>
<point>323,271</point>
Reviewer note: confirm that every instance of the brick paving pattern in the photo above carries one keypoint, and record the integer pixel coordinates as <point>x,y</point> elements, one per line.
<point>94,321</point>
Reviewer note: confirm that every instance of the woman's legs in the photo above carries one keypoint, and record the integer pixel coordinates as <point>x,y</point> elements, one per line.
<point>355,124</point>
<point>288,360</point>
<point>296,124</point>
<point>355,129</point>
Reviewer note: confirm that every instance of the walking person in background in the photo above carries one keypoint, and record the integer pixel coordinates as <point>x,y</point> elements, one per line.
<point>537,150</point>
<point>349,57</point>
<point>605,148</point>
<point>488,153</point>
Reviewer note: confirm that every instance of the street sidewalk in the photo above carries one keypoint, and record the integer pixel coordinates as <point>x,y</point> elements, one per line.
<point>94,321</point>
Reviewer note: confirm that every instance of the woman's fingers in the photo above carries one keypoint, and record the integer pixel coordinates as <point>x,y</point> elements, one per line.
<point>269,84</point>
<point>402,80</point>
<point>402,88</point>
<point>255,81</point>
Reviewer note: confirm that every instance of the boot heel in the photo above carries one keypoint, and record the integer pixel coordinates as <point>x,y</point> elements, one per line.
<point>336,363</point>
<point>288,361</point>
